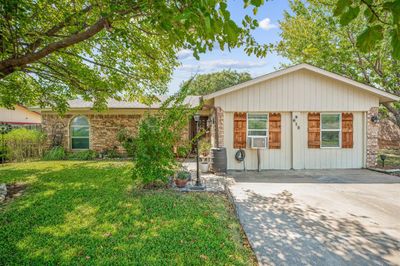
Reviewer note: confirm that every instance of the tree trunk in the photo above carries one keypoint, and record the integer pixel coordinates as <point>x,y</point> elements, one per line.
<point>395,112</point>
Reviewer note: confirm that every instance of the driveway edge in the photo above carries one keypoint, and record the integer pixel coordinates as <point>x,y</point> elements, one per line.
<point>235,207</point>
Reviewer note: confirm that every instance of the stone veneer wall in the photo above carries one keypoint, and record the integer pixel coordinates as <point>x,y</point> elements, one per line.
<point>103,129</point>
<point>218,116</point>
<point>372,138</point>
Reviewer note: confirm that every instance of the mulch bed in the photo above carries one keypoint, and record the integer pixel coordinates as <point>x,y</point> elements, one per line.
<point>14,190</point>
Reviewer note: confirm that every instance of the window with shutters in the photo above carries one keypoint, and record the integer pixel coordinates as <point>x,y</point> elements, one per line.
<point>257,125</point>
<point>330,130</point>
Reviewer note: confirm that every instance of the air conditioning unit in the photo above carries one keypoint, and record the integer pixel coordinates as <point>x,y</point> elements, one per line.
<point>258,142</point>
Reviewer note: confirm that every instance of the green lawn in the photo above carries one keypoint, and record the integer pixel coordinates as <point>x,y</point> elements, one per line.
<point>88,213</point>
<point>392,160</point>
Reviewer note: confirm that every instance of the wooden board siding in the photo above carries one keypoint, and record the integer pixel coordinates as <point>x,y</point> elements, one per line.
<point>239,130</point>
<point>306,158</point>
<point>274,129</point>
<point>347,130</point>
<point>270,158</point>
<point>325,158</point>
<point>303,91</point>
<point>314,131</point>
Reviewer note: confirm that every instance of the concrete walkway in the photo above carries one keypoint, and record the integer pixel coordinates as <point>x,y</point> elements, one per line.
<point>336,217</point>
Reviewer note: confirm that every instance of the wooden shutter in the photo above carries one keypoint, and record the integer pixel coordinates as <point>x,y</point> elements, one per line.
<point>347,130</point>
<point>274,131</point>
<point>314,132</point>
<point>239,130</point>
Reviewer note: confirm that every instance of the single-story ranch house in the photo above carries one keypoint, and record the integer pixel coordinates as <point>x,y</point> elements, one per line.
<point>302,117</point>
<point>82,128</point>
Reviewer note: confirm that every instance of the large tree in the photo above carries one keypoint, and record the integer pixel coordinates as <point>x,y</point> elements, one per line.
<point>382,18</point>
<point>311,34</point>
<point>208,83</point>
<point>54,50</point>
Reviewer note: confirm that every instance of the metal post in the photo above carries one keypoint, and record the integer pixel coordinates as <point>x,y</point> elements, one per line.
<point>198,182</point>
<point>198,185</point>
<point>3,147</point>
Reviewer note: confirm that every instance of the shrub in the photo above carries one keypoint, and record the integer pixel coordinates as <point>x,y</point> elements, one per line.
<point>3,153</point>
<point>183,149</point>
<point>55,154</point>
<point>183,175</point>
<point>111,153</point>
<point>83,155</point>
<point>157,135</point>
<point>22,143</point>
<point>127,141</point>
<point>204,147</point>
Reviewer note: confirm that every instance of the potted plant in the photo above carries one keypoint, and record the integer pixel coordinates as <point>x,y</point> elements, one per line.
<point>181,178</point>
<point>204,150</point>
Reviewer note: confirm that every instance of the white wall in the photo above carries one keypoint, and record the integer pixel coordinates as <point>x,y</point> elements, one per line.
<point>302,90</point>
<point>270,158</point>
<point>297,141</point>
<point>325,158</point>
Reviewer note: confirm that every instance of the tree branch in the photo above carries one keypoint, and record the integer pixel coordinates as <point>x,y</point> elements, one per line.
<point>370,7</point>
<point>8,66</point>
<point>96,63</point>
<point>56,28</point>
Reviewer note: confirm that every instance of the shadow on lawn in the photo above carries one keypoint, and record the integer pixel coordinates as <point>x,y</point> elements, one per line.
<point>297,235</point>
<point>85,214</point>
<point>72,205</point>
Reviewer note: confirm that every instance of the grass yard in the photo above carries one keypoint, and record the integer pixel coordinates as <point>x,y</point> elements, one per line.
<point>392,160</point>
<point>87,213</point>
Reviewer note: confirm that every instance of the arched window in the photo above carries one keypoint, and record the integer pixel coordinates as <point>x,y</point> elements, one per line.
<point>80,133</point>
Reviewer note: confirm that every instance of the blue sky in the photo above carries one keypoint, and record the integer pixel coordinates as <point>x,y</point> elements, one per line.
<point>268,32</point>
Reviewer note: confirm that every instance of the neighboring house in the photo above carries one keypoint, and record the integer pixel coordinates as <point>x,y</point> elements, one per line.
<point>20,116</point>
<point>305,117</point>
<point>83,128</point>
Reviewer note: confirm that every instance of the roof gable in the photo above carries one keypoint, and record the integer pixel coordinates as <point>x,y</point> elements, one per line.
<point>383,95</point>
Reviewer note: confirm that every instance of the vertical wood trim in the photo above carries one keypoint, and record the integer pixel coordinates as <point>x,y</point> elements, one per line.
<point>347,130</point>
<point>274,129</point>
<point>239,130</point>
<point>314,131</point>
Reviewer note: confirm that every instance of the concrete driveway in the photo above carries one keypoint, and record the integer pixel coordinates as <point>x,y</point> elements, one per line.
<point>332,217</point>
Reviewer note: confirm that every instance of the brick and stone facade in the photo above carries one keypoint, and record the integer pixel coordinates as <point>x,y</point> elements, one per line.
<point>103,129</point>
<point>372,138</point>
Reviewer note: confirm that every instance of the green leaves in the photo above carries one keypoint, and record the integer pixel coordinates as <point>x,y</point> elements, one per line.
<point>208,83</point>
<point>130,57</point>
<point>382,17</point>
<point>365,49</point>
<point>395,34</point>
<point>256,3</point>
<point>349,15</point>
<point>369,38</point>
<point>341,6</point>
<point>346,11</point>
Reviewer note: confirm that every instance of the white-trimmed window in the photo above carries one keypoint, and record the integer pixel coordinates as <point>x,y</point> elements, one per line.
<point>331,130</point>
<point>257,125</point>
<point>79,133</point>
